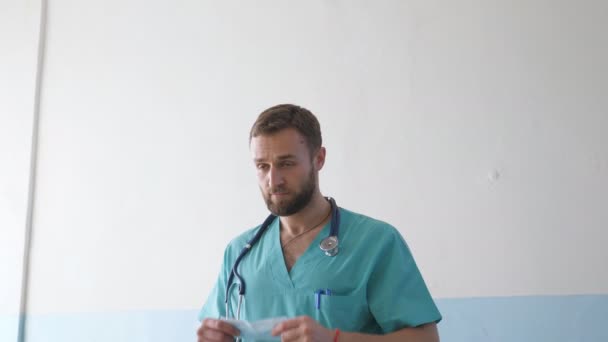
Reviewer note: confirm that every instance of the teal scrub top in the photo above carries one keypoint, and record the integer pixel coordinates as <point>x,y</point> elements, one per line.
<point>375,284</point>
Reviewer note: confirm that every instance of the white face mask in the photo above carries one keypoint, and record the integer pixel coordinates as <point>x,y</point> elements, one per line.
<point>258,330</point>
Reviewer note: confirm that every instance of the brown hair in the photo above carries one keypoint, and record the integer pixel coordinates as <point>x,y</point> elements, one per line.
<point>284,116</point>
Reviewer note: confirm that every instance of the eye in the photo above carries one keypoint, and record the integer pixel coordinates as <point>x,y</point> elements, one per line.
<point>287,164</point>
<point>261,166</point>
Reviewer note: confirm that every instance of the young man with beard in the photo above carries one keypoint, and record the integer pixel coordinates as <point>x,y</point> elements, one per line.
<point>370,290</point>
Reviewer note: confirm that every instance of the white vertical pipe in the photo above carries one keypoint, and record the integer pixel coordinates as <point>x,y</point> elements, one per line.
<point>32,176</point>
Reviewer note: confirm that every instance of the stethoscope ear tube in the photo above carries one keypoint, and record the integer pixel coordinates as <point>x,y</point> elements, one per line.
<point>234,270</point>
<point>335,218</point>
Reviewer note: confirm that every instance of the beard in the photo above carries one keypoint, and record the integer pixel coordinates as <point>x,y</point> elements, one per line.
<point>290,206</point>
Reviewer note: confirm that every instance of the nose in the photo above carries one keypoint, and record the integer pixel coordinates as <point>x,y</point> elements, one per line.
<point>274,178</point>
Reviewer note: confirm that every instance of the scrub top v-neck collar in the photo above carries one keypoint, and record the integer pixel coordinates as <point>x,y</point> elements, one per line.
<point>294,278</point>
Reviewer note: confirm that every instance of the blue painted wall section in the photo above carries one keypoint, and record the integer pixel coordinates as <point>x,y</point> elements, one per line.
<point>8,327</point>
<point>525,319</point>
<point>497,319</point>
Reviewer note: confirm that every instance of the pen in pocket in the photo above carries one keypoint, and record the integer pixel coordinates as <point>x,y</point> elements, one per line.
<point>318,294</point>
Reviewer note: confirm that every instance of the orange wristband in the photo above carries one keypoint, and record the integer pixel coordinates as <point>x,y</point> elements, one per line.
<point>336,335</point>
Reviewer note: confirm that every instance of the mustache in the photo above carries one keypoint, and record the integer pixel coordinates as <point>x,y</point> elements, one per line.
<point>278,190</point>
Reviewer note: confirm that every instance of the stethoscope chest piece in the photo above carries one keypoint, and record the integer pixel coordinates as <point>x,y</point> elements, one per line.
<point>329,245</point>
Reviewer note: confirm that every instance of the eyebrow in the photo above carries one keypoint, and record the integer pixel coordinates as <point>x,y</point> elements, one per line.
<point>283,157</point>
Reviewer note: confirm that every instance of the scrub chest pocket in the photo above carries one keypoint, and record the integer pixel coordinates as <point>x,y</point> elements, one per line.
<point>348,313</point>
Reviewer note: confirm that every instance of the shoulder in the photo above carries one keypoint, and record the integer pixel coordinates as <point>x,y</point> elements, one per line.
<point>236,245</point>
<point>377,236</point>
<point>366,225</point>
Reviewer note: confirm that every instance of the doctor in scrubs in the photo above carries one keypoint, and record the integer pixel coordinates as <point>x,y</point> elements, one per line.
<point>371,290</point>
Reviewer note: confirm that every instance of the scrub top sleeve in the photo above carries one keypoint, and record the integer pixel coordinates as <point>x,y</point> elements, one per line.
<point>397,295</point>
<point>214,307</point>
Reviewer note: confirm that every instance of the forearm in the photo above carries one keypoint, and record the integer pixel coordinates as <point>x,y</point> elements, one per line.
<point>424,333</point>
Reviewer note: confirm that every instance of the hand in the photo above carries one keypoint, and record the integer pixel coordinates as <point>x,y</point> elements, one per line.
<point>216,330</point>
<point>302,328</point>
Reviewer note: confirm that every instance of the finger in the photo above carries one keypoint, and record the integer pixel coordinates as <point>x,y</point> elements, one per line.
<point>205,334</point>
<point>290,335</point>
<point>209,335</point>
<point>201,330</point>
<point>291,324</point>
<point>222,326</point>
<point>286,325</point>
<point>303,331</point>
<point>215,324</point>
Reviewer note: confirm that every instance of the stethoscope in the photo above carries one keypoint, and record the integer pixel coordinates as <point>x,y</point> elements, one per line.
<point>328,245</point>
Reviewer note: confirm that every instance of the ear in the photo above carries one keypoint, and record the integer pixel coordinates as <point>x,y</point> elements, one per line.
<point>319,159</point>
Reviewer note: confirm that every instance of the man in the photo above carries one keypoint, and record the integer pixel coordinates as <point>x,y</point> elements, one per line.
<point>371,290</point>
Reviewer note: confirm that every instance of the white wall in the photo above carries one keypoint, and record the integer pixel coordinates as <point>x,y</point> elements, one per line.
<point>476,127</point>
<point>18,44</point>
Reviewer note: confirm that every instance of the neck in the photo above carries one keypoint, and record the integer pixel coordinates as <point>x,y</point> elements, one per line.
<point>316,210</point>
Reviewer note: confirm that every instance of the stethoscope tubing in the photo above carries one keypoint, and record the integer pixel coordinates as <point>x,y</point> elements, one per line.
<point>333,233</point>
